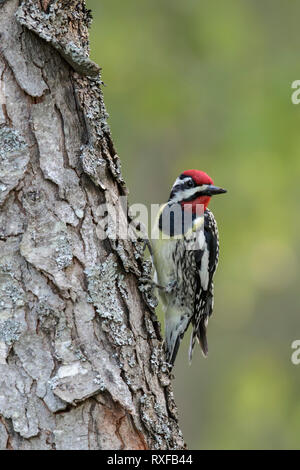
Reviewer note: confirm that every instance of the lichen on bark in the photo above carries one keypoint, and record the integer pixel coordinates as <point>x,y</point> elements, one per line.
<point>81,360</point>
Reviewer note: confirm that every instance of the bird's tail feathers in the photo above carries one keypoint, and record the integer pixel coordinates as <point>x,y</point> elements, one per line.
<point>201,336</point>
<point>175,328</point>
<point>199,333</point>
<point>192,344</point>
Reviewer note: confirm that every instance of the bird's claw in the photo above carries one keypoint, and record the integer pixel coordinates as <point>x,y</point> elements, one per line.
<point>170,286</point>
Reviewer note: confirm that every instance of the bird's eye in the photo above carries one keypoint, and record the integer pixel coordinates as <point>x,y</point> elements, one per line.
<point>190,183</point>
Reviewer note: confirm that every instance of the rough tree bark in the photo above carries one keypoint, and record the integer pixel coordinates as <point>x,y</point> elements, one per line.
<point>81,365</point>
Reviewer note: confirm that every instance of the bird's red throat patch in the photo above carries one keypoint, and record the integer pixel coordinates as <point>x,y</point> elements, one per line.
<point>197,206</point>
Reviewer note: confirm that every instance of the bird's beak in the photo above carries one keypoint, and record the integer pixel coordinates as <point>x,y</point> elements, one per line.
<point>215,190</point>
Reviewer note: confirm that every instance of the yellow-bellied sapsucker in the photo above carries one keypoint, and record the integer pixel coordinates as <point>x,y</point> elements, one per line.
<point>185,255</point>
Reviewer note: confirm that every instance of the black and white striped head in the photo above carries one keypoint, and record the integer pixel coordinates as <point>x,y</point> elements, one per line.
<point>194,187</point>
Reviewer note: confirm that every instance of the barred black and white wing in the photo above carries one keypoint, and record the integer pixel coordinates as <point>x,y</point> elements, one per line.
<point>206,263</point>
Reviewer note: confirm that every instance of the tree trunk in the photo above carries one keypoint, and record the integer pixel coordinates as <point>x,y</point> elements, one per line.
<point>81,362</point>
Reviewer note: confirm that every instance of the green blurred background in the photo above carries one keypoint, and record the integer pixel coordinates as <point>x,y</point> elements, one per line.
<point>207,85</point>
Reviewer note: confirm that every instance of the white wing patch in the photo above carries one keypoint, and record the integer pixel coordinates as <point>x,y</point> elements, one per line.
<point>204,271</point>
<point>201,239</point>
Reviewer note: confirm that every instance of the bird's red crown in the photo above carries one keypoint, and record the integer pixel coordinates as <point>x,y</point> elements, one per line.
<point>200,177</point>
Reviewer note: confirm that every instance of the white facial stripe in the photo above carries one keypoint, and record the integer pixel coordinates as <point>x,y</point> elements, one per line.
<point>187,193</point>
<point>203,187</point>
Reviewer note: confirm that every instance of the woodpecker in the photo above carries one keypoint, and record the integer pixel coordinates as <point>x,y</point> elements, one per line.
<point>185,244</point>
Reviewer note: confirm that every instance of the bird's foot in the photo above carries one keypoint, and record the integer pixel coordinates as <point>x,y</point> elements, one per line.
<point>149,282</point>
<point>170,287</point>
